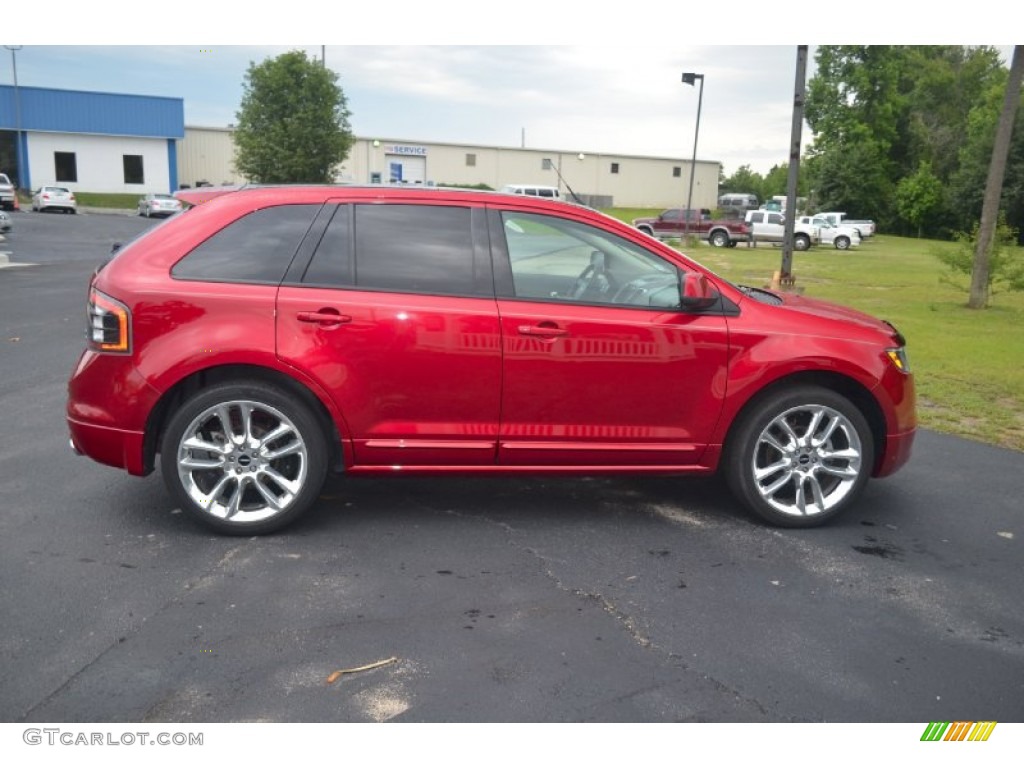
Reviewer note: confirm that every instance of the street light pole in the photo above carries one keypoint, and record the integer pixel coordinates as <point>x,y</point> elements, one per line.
<point>17,114</point>
<point>690,78</point>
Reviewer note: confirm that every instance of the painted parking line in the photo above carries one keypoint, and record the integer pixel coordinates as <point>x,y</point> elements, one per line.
<point>6,263</point>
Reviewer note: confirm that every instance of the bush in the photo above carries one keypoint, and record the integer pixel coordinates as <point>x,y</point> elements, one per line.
<point>1005,263</point>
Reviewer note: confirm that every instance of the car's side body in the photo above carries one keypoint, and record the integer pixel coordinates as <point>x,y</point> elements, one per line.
<point>505,360</point>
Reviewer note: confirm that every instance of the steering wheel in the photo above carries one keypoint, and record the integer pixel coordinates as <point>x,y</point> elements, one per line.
<point>583,282</point>
<point>594,279</point>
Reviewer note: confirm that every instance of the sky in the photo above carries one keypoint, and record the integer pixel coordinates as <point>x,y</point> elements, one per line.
<point>552,76</point>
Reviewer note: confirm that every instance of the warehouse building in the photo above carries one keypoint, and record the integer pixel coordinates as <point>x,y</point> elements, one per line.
<point>90,141</point>
<point>601,180</point>
<point>107,142</point>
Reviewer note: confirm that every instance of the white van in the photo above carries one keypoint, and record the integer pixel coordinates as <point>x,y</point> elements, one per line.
<point>534,190</point>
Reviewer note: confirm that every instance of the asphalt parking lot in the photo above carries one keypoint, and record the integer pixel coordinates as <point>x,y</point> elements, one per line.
<point>505,600</point>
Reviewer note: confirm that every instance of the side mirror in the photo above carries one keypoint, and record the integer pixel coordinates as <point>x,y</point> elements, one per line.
<point>697,293</point>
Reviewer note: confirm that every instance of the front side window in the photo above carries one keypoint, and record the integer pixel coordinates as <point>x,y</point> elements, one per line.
<point>65,166</point>
<point>555,259</point>
<point>256,248</point>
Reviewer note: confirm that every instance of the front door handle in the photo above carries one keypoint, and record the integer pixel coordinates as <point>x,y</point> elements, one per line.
<point>324,316</point>
<point>544,331</point>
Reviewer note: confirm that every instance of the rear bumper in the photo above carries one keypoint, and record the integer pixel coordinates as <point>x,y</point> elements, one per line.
<point>108,404</point>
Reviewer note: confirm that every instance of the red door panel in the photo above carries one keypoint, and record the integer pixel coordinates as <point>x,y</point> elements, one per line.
<point>588,385</point>
<point>417,378</point>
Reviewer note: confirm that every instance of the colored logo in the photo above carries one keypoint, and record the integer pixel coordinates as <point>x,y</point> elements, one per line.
<point>959,731</point>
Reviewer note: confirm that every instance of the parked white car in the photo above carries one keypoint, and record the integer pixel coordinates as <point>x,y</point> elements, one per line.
<point>158,205</point>
<point>54,198</point>
<point>842,237</point>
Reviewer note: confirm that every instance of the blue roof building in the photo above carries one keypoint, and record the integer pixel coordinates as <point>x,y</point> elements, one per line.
<point>93,141</point>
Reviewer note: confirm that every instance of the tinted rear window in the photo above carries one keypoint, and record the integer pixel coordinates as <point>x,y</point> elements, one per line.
<point>415,248</point>
<point>254,249</point>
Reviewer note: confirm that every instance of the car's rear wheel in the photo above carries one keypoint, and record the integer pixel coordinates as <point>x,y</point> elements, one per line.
<point>244,458</point>
<point>800,456</point>
<point>842,242</point>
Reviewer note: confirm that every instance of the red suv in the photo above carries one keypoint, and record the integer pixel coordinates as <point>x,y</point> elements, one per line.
<point>273,334</point>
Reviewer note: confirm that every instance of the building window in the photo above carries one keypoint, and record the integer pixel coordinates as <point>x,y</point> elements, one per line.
<point>676,171</point>
<point>470,160</point>
<point>546,164</point>
<point>615,167</point>
<point>65,166</point>
<point>133,169</point>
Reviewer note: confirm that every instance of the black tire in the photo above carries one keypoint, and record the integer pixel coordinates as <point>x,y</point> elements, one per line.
<point>801,242</point>
<point>842,242</point>
<point>733,243</point>
<point>836,468</point>
<point>720,239</point>
<point>647,231</point>
<point>244,491</point>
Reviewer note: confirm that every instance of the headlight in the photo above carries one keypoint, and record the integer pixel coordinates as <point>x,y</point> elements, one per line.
<point>898,355</point>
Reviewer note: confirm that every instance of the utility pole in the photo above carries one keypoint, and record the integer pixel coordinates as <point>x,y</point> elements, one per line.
<point>799,94</point>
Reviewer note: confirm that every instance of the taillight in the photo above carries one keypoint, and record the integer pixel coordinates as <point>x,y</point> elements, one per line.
<point>109,324</point>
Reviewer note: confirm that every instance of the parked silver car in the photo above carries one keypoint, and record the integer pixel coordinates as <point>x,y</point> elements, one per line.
<point>158,205</point>
<point>57,198</point>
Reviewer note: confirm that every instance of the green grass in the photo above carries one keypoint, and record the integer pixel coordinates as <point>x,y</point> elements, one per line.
<point>968,364</point>
<point>107,200</point>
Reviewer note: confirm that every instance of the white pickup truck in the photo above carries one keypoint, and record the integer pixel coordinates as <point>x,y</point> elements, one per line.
<point>770,227</point>
<point>866,227</point>
<point>842,237</point>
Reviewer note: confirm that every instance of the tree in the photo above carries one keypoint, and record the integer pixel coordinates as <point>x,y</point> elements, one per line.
<point>292,123</point>
<point>744,180</point>
<point>919,196</point>
<point>880,111</point>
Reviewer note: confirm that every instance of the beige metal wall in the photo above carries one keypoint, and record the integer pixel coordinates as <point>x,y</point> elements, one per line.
<point>207,154</point>
<point>641,182</point>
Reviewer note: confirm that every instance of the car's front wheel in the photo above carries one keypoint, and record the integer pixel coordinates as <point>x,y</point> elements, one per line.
<point>719,239</point>
<point>842,242</point>
<point>801,242</point>
<point>244,458</point>
<point>800,456</point>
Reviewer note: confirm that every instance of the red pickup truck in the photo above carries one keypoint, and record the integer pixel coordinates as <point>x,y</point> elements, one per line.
<point>673,223</point>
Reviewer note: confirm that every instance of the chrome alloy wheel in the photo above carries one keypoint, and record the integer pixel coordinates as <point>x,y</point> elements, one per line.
<point>807,460</point>
<point>242,461</point>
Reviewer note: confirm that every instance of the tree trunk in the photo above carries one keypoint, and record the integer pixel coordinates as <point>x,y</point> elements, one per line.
<point>994,185</point>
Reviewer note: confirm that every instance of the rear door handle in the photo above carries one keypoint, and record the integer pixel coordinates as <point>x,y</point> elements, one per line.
<point>325,316</point>
<point>543,331</point>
